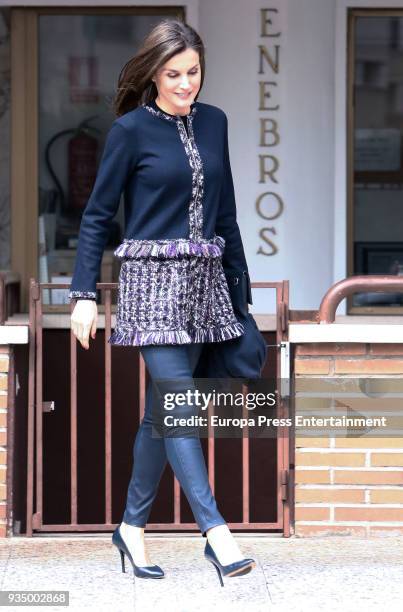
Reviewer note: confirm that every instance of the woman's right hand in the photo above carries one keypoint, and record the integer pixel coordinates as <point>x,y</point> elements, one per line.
<point>84,320</point>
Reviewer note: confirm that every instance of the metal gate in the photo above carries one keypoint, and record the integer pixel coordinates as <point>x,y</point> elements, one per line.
<point>37,405</point>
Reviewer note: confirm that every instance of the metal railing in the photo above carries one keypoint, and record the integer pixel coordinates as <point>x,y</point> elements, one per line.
<point>375,283</point>
<point>36,407</point>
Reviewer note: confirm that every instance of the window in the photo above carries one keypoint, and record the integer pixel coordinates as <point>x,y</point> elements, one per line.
<point>375,160</point>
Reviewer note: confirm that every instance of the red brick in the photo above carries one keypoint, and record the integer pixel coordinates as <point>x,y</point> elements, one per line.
<point>331,348</point>
<point>368,366</point>
<point>387,459</point>
<point>388,531</point>
<point>343,496</point>
<point>331,459</point>
<point>368,514</point>
<point>305,442</point>
<point>370,442</point>
<point>312,366</point>
<point>386,496</point>
<point>312,513</point>
<point>386,349</point>
<point>368,477</point>
<point>312,476</point>
<point>329,530</point>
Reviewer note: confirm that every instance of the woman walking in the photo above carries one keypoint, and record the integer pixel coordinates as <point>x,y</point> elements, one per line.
<point>168,154</point>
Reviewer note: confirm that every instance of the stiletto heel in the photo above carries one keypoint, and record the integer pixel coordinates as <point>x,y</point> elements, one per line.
<point>219,575</point>
<point>122,558</point>
<point>148,571</point>
<point>238,568</point>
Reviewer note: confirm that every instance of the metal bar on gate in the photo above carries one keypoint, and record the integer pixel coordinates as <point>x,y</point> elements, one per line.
<point>156,526</point>
<point>73,426</point>
<point>210,449</point>
<point>142,386</point>
<point>108,409</point>
<point>283,441</point>
<point>245,465</point>
<point>38,407</point>
<point>35,410</point>
<point>177,501</point>
<point>280,450</point>
<point>31,405</point>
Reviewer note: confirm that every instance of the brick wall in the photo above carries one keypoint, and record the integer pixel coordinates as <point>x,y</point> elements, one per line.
<point>4,366</point>
<point>349,485</point>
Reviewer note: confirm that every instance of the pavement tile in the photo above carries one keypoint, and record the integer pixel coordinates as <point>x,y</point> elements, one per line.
<point>294,574</point>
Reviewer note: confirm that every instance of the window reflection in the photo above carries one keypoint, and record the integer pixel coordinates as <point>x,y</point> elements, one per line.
<point>80,57</point>
<point>378,167</point>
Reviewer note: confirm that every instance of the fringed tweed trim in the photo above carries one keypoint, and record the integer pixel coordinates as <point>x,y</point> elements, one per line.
<point>171,248</point>
<point>219,334</point>
<point>141,338</point>
<point>90,295</point>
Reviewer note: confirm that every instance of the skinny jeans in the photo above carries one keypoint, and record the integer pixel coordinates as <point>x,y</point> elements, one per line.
<point>184,453</point>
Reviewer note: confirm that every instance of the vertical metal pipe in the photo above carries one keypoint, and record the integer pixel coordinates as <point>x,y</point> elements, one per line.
<point>38,407</point>
<point>211,448</point>
<point>285,431</point>
<point>73,425</point>
<point>108,410</point>
<point>245,463</point>
<point>279,446</point>
<point>31,405</point>
<point>142,386</point>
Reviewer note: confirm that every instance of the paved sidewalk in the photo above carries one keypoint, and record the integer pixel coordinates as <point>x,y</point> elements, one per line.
<point>304,574</point>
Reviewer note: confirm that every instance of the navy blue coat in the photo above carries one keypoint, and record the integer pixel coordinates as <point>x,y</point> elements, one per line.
<point>144,159</point>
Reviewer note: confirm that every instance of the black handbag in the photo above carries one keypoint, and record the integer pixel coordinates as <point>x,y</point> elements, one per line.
<point>242,357</point>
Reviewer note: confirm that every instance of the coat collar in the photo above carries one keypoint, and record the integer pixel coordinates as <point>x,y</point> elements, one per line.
<point>156,110</point>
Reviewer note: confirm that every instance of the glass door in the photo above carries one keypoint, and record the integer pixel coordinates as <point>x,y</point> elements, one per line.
<point>375,206</point>
<point>70,65</point>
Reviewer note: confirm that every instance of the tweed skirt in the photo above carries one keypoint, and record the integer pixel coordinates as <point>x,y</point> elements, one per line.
<point>173,292</point>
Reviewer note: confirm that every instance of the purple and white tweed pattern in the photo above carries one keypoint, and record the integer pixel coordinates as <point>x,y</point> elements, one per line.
<point>174,291</point>
<point>173,301</point>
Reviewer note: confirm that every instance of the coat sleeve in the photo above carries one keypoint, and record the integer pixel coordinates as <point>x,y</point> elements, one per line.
<point>116,163</point>
<point>234,261</point>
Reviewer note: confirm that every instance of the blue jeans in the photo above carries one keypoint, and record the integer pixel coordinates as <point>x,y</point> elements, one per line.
<point>185,455</point>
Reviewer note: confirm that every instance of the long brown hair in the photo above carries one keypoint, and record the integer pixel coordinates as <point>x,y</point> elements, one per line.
<point>166,39</point>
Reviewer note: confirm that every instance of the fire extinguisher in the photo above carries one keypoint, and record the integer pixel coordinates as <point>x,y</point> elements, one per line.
<point>82,166</point>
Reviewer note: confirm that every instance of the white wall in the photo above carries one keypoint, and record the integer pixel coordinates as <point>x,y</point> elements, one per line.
<point>304,233</point>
